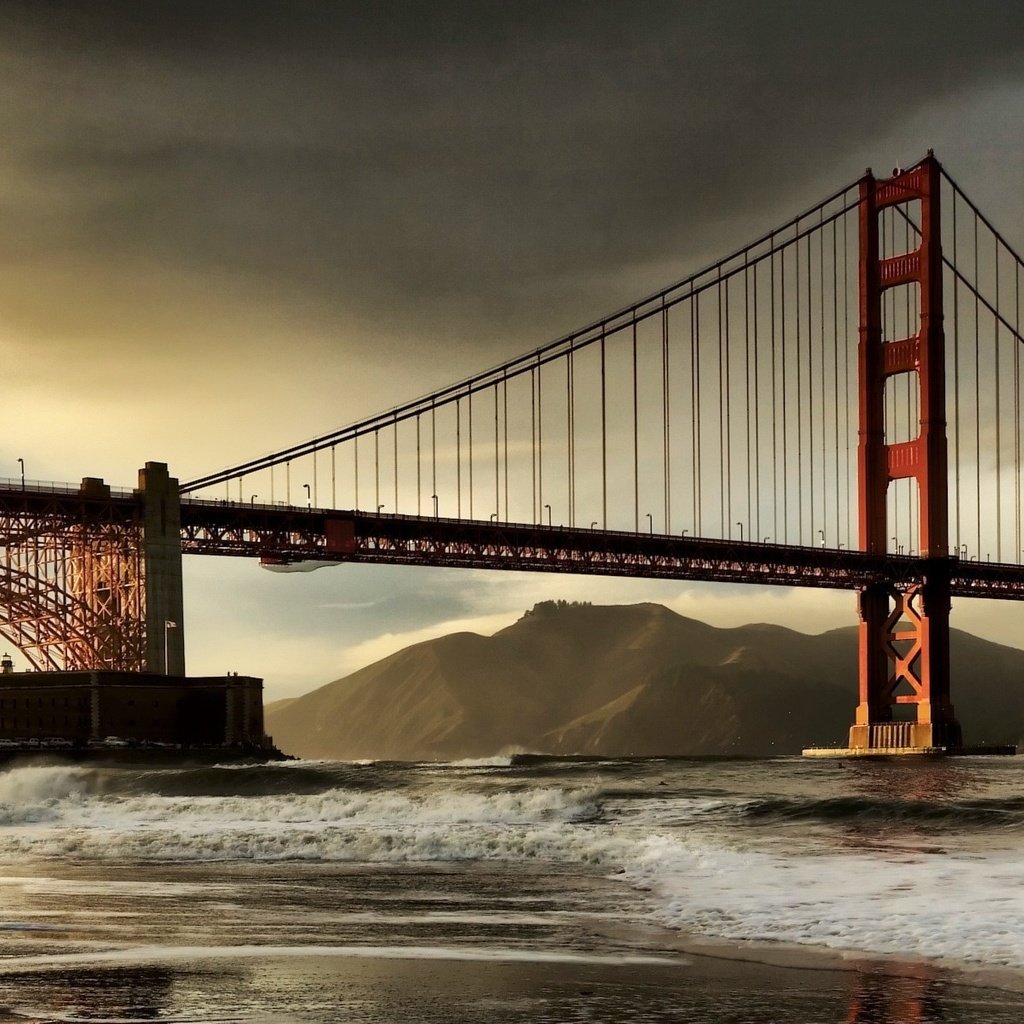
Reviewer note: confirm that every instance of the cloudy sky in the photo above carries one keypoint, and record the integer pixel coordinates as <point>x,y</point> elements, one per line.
<point>227,227</point>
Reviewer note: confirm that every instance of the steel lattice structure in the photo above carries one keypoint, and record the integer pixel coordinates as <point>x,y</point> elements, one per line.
<point>72,592</point>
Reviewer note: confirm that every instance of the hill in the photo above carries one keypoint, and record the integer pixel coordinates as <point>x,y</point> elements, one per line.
<point>621,680</point>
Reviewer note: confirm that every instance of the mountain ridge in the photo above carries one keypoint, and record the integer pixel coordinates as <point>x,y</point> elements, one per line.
<point>575,678</point>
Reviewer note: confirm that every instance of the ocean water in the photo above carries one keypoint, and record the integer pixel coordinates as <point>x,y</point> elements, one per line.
<point>514,889</point>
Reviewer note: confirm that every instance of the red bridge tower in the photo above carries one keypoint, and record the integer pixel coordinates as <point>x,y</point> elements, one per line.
<point>904,628</point>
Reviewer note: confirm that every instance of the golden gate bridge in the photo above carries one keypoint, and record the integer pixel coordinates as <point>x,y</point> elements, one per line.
<point>836,404</point>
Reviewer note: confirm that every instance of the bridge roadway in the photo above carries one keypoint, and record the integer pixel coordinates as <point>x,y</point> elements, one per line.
<point>290,535</point>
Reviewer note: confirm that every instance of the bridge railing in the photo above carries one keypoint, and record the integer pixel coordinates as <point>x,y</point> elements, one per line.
<point>55,487</point>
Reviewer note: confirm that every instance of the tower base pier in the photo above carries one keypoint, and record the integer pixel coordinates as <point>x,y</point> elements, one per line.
<point>891,752</point>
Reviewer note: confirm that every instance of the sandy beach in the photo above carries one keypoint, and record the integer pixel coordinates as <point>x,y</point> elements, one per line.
<point>636,891</point>
<point>431,988</point>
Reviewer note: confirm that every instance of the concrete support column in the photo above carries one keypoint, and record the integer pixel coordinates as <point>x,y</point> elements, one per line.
<point>161,547</point>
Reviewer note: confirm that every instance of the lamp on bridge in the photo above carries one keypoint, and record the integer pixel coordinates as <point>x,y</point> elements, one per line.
<point>309,496</point>
<point>168,626</point>
<point>434,499</point>
<point>21,462</point>
<point>548,507</point>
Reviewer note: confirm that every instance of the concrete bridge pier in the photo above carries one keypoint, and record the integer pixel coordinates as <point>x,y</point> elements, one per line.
<point>161,554</point>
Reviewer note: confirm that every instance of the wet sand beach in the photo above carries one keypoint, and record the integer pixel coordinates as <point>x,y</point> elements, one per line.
<point>373,987</point>
<point>647,891</point>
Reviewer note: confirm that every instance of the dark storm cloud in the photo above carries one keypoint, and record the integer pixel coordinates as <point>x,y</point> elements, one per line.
<point>434,163</point>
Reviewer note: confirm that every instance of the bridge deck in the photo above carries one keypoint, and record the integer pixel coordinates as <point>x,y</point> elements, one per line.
<point>287,535</point>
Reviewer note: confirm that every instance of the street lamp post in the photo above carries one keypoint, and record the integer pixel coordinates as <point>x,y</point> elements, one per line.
<point>168,626</point>
<point>650,522</point>
<point>740,525</point>
<point>21,462</point>
<point>252,499</point>
<point>434,499</point>
<point>548,507</point>
<point>309,496</point>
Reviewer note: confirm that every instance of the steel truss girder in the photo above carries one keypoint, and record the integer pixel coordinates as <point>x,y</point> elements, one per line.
<point>293,535</point>
<point>71,576</point>
<point>71,588</point>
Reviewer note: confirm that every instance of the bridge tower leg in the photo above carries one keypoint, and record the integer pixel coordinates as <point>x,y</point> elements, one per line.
<point>161,549</point>
<point>904,629</point>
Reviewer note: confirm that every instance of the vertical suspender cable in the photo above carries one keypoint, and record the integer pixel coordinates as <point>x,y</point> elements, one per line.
<point>727,407</point>
<point>977,392</point>
<point>785,404</point>
<point>698,502</point>
<point>376,468</point>
<point>999,388</point>
<point>504,419</point>
<point>835,369</point>
<point>956,386</point>
<point>666,417</point>
<point>693,409</point>
<point>419,470</point>
<point>636,442</point>
<point>821,369</point>
<point>810,392</point>
<point>433,455</point>
<point>747,401</point>
<point>912,429</point>
<point>458,458</point>
<point>756,402</point>
<point>723,457</point>
<point>355,450</point>
<point>799,398</point>
<point>569,439</point>
<point>497,460</point>
<point>1017,412</point>
<point>846,376</point>
<point>604,438</point>
<point>533,439</point>
<point>469,417</point>
<point>775,391</point>
<point>540,440</point>
<point>395,455</point>
<point>334,478</point>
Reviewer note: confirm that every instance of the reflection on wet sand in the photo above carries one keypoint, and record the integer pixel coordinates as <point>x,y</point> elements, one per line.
<point>319,989</point>
<point>879,998</point>
<point>136,993</point>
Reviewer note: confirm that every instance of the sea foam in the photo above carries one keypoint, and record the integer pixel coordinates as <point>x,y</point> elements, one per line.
<point>935,905</point>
